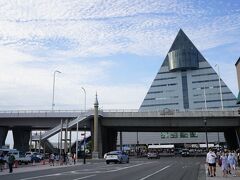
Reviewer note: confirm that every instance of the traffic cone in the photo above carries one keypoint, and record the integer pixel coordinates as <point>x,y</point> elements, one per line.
<point>33,163</point>
<point>15,165</point>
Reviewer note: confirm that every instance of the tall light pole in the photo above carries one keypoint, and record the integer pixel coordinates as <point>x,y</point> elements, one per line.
<point>205,98</point>
<point>205,124</point>
<point>220,86</point>
<point>85,96</point>
<point>54,77</point>
<point>84,145</point>
<point>220,91</point>
<point>77,145</point>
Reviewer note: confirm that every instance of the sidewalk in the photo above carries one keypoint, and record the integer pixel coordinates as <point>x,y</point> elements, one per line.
<point>219,174</point>
<point>40,166</point>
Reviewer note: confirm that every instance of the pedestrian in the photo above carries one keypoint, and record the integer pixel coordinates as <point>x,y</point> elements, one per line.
<point>224,164</point>
<point>11,160</point>
<point>65,158</point>
<point>232,162</point>
<point>211,160</point>
<point>52,157</point>
<point>74,158</point>
<point>1,162</point>
<point>57,158</point>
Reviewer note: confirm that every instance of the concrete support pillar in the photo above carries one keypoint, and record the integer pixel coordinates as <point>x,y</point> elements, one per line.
<point>66,136</point>
<point>120,133</point>
<point>109,139</point>
<point>237,131</point>
<point>21,137</point>
<point>231,139</point>
<point>3,135</point>
<point>95,153</point>
<point>70,141</point>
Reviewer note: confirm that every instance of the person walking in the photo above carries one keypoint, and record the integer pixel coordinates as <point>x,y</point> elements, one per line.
<point>74,158</point>
<point>1,162</point>
<point>232,162</point>
<point>224,164</point>
<point>211,160</point>
<point>11,160</point>
<point>52,157</point>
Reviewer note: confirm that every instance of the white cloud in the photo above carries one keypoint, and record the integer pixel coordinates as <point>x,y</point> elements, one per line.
<point>38,37</point>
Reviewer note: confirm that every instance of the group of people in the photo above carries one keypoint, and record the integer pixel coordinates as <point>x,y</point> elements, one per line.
<point>10,161</point>
<point>227,160</point>
<point>63,159</point>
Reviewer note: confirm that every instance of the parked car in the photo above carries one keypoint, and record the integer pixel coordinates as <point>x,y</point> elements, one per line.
<point>185,152</point>
<point>116,157</point>
<point>153,155</point>
<point>20,158</point>
<point>35,156</point>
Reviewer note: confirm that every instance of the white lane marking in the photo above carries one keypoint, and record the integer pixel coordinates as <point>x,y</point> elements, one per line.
<point>154,173</point>
<point>77,172</point>
<point>85,177</point>
<point>49,175</point>
<point>114,170</point>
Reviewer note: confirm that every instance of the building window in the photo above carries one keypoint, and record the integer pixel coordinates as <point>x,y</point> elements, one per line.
<point>197,75</point>
<point>167,78</point>
<point>213,80</point>
<point>167,104</point>
<point>184,135</point>
<point>193,135</point>
<point>173,135</point>
<point>155,92</point>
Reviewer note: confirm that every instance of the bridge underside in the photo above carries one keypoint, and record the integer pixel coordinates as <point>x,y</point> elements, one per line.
<point>3,135</point>
<point>109,126</point>
<point>21,137</point>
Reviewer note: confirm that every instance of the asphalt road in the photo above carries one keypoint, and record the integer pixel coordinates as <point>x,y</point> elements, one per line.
<point>172,168</point>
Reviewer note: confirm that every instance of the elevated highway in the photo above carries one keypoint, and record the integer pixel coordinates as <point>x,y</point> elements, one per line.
<point>113,121</point>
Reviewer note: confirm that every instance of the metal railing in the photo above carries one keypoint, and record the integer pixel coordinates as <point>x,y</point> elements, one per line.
<point>56,129</point>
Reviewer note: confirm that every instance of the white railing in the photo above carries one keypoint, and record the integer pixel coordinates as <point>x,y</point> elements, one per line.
<point>116,110</point>
<point>56,129</point>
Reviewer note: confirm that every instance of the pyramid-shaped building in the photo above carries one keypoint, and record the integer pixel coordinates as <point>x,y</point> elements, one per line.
<point>187,81</point>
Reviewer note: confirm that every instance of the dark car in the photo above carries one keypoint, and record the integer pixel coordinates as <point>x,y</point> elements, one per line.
<point>153,155</point>
<point>185,153</point>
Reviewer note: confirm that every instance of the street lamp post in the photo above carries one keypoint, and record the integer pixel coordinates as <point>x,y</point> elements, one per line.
<point>220,91</point>
<point>77,144</point>
<point>205,98</point>
<point>137,145</point>
<point>205,125</point>
<point>54,77</point>
<point>84,145</point>
<point>220,86</point>
<point>85,98</point>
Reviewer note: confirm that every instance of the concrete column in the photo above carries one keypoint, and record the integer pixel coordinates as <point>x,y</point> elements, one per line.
<point>21,137</point>
<point>70,141</point>
<point>231,139</point>
<point>3,135</point>
<point>95,153</point>
<point>109,139</point>
<point>66,136</point>
<point>60,152</point>
<point>120,133</point>
<point>237,136</point>
<point>100,141</point>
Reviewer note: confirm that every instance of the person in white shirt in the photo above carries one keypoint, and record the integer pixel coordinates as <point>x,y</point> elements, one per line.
<point>211,160</point>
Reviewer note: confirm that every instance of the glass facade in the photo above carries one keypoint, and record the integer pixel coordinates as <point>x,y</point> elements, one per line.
<point>183,59</point>
<point>185,74</point>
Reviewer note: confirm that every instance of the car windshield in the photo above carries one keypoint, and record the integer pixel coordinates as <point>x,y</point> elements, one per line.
<point>114,153</point>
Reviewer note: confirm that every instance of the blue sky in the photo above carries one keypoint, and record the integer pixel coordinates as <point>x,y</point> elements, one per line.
<point>114,47</point>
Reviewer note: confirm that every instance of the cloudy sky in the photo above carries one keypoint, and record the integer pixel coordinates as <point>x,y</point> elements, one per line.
<point>114,47</point>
